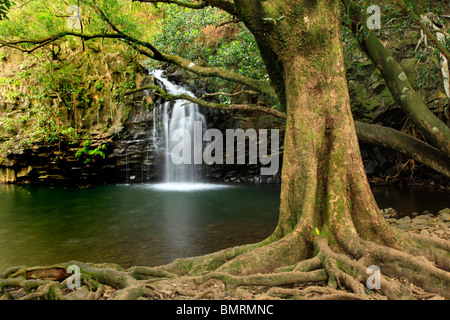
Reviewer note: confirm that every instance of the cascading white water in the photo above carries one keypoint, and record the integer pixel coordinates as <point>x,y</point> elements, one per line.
<point>168,117</point>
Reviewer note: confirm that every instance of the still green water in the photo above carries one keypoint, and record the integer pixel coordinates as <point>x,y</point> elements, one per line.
<point>130,225</point>
<point>149,224</point>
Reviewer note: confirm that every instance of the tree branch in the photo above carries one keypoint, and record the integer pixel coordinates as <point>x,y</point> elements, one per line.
<point>411,103</point>
<point>404,144</point>
<point>229,94</point>
<point>186,4</point>
<point>263,87</point>
<point>15,44</point>
<point>211,105</point>
<point>425,29</point>
<point>225,5</point>
<point>150,51</point>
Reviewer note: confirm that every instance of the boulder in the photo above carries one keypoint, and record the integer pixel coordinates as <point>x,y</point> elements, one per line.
<point>445,214</point>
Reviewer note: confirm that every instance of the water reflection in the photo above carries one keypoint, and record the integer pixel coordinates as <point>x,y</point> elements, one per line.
<point>129,225</point>
<point>408,199</point>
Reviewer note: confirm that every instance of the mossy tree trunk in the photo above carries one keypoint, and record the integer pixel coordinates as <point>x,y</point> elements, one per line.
<point>324,186</point>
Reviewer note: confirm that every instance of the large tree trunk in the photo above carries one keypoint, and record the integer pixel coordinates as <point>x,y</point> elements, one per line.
<point>324,186</point>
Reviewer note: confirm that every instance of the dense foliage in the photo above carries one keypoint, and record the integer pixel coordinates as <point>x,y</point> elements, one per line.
<point>210,37</point>
<point>5,5</point>
<point>65,71</point>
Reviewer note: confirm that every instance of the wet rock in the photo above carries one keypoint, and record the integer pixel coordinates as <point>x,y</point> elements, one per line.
<point>445,214</point>
<point>404,223</point>
<point>425,224</point>
<point>389,213</point>
<point>404,220</point>
<point>422,218</point>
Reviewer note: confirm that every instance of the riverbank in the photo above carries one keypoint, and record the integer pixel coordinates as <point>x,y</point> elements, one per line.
<point>427,223</point>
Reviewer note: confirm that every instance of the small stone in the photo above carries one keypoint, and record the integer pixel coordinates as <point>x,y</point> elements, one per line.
<point>445,214</point>
<point>404,220</point>
<point>422,219</point>
<point>389,213</point>
<point>424,232</point>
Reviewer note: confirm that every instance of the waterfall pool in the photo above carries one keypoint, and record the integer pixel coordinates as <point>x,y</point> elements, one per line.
<point>151,224</point>
<point>136,224</point>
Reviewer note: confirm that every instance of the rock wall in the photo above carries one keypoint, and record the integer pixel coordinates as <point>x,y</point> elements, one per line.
<point>120,150</point>
<point>76,130</point>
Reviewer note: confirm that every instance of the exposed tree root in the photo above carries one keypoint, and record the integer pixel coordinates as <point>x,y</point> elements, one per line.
<point>315,293</point>
<point>328,274</point>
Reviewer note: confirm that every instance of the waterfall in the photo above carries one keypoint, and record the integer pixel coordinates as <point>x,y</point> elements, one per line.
<point>168,117</point>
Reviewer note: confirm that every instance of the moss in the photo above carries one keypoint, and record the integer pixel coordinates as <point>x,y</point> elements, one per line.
<point>340,264</point>
<point>235,266</point>
<point>211,265</point>
<point>314,40</point>
<point>187,267</point>
<point>273,10</point>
